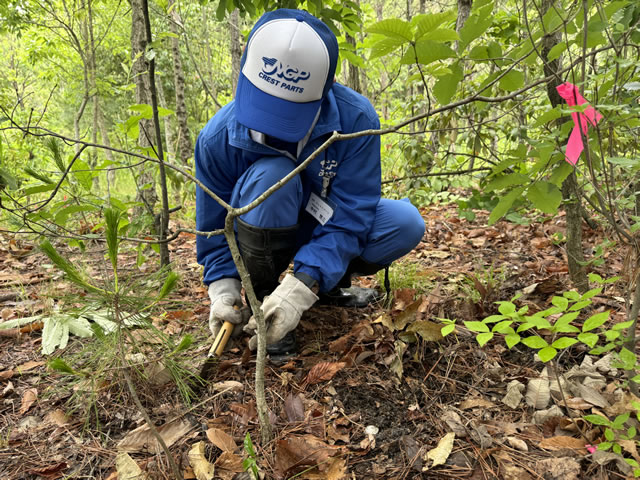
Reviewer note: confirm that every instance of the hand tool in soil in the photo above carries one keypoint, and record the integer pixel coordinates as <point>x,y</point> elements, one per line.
<point>216,349</point>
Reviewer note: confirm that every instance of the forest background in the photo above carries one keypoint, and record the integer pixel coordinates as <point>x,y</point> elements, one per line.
<point>101,103</point>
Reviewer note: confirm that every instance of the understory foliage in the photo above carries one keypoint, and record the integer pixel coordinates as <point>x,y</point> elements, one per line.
<point>468,100</point>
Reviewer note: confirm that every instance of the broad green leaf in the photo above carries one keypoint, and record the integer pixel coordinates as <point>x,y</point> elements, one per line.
<point>483,338</point>
<point>427,52</point>
<point>589,339</point>
<point>535,342</point>
<point>504,205</point>
<point>446,86</point>
<point>564,342</point>
<point>494,318</point>
<point>556,51</point>
<point>622,325</point>
<point>385,46</point>
<point>476,326</point>
<point>545,196</point>
<point>441,35</point>
<point>595,321</point>
<point>503,327</point>
<point>547,353</point>
<point>576,307</point>
<point>479,52</point>
<point>476,24</point>
<point>144,110</point>
<point>63,215</point>
<point>513,80</point>
<point>560,302</point>
<point>506,308</point>
<point>82,173</point>
<point>546,117</point>
<point>628,358</point>
<point>591,293</point>
<point>60,365</point>
<point>447,329</point>
<point>428,22</point>
<point>597,420</point>
<point>393,28</point>
<point>512,339</point>
<point>504,181</point>
<point>38,189</point>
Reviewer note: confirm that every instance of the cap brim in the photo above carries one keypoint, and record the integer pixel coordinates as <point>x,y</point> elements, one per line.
<point>282,119</point>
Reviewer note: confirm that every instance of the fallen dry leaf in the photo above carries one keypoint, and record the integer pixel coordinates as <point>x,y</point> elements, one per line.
<point>28,399</point>
<point>6,374</point>
<point>228,465</point>
<point>51,471</point>
<point>439,455</point>
<point>228,385</point>
<point>294,408</point>
<point>538,393</point>
<point>475,403</point>
<point>337,471</point>
<point>429,331</point>
<point>299,452</point>
<point>25,367</point>
<point>127,468</point>
<point>202,468</point>
<point>56,417</point>
<point>561,442</point>
<point>563,468</point>
<point>221,439</point>
<point>518,444</point>
<point>407,315</point>
<point>142,440</point>
<point>323,371</point>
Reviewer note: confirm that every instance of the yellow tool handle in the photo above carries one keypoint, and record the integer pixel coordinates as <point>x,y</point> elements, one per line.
<point>221,339</point>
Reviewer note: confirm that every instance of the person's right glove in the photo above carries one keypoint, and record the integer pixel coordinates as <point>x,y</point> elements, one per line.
<point>226,305</point>
<point>282,310</point>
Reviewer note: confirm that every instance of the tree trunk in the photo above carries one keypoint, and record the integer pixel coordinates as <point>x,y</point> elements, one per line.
<point>464,10</point>
<point>235,45</point>
<point>168,132</point>
<point>353,78</point>
<point>570,190</point>
<point>147,197</point>
<point>184,146</point>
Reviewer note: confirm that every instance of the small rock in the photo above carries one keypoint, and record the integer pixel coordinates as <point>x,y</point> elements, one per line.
<point>604,365</point>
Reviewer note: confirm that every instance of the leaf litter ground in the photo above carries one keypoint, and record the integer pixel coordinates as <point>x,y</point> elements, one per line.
<point>360,400</point>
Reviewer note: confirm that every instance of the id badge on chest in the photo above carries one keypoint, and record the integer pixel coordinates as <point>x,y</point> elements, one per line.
<point>319,208</point>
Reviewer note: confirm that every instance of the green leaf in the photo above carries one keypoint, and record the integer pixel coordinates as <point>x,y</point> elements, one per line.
<point>476,24</point>
<point>556,51</point>
<point>547,117</point>
<point>393,28</point>
<point>597,420</point>
<point>446,86</point>
<point>483,338</point>
<point>476,326</point>
<point>168,286</point>
<point>512,81</point>
<point>59,365</point>
<point>589,339</point>
<point>494,318</point>
<point>512,339</point>
<point>560,302</point>
<point>385,46</point>
<point>579,305</point>
<point>545,196</point>
<point>547,354</point>
<point>628,358</point>
<point>622,325</point>
<point>506,308</point>
<point>427,51</point>
<point>144,110</point>
<point>595,321</point>
<point>447,329</point>
<point>504,205</point>
<point>591,293</point>
<point>69,269</point>
<point>503,327</point>
<point>184,344</point>
<point>564,342</point>
<point>504,181</point>
<point>80,327</point>
<point>38,189</point>
<point>63,215</point>
<point>441,35</point>
<point>535,342</point>
<point>609,435</point>
<point>248,446</point>
<point>82,173</point>
<point>428,22</point>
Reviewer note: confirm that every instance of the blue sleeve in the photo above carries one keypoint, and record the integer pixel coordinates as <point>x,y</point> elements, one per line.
<point>211,158</point>
<point>355,193</point>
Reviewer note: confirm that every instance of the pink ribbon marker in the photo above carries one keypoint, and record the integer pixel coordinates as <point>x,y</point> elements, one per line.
<point>572,96</point>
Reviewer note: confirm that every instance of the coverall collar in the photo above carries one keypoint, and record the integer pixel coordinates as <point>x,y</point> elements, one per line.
<point>328,122</point>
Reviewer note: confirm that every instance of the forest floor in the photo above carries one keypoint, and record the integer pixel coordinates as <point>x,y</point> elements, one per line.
<point>358,401</point>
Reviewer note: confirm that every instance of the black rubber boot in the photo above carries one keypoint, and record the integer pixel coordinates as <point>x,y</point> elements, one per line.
<point>266,253</point>
<point>344,295</point>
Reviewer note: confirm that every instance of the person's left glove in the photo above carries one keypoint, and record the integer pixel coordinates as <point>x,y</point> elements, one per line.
<point>282,310</point>
<point>226,305</point>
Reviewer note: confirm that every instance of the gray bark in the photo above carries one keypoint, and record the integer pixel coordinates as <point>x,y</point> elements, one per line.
<point>235,46</point>
<point>184,146</point>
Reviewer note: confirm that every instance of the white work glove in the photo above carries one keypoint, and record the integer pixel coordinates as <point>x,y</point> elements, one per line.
<point>226,305</point>
<point>282,310</point>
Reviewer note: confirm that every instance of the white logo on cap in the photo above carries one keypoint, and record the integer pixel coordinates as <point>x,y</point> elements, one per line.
<point>271,66</point>
<point>287,58</point>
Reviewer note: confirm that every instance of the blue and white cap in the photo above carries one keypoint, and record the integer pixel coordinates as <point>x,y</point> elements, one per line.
<point>287,68</point>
